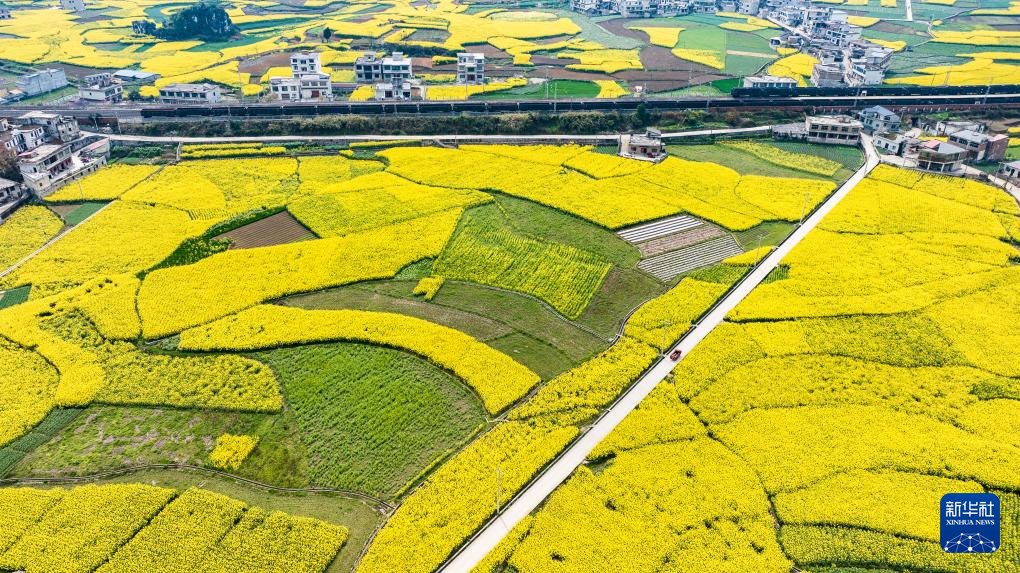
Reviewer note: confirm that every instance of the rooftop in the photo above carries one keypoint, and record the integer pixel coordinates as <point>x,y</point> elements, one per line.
<point>190,87</point>
<point>39,115</point>
<point>834,120</point>
<point>942,147</point>
<point>135,74</point>
<point>40,152</point>
<point>767,78</point>
<point>879,110</point>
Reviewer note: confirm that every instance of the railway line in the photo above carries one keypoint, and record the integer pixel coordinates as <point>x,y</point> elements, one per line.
<point>818,100</point>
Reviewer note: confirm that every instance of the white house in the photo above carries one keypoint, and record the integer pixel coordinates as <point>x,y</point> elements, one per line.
<point>307,81</point>
<point>471,68</point>
<point>405,90</point>
<point>190,93</point>
<point>42,81</point>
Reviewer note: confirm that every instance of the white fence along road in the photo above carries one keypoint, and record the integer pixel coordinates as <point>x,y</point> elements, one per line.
<point>529,498</point>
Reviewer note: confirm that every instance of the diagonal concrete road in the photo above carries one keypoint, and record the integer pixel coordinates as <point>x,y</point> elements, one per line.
<point>531,496</point>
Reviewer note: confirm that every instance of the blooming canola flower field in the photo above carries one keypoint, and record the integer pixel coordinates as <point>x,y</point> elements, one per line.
<point>390,316</point>
<point>821,423</point>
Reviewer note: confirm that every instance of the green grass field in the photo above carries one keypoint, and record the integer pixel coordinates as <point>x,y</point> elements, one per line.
<point>747,164</point>
<point>487,249</point>
<point>103,438</point>
<point>84,211</point>
<point>371,419</point>
<point>554,89</point>
<point>14,296</point>
<point>358,418</point>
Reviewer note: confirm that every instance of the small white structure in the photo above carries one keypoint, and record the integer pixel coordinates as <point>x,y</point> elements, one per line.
<point>471,68</point>
<point>405,90</point>
<point>1010,171</point>
<point>769,82</point>
<point>307,81</point>
<point>190,93</point>
<point>42,81</point>
<point>646,147</point>
<point>129,76</point>
<point>5,12</point>
<point>12,194</point>
<point>100,88</point>
<point>73,5</point>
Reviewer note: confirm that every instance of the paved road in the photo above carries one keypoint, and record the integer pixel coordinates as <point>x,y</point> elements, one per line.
<point>528,499</point>
<point>910,11</point>
<point>448,137</point>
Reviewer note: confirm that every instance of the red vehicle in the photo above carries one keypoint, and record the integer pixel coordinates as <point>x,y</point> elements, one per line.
<point>675,355</point>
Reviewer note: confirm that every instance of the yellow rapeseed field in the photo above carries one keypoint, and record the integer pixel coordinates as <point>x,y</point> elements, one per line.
<point>852,398</point>
<point>497,378</point>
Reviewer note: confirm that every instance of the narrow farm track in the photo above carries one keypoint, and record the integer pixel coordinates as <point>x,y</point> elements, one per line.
<point>377,503</point>
<point>529,498</point>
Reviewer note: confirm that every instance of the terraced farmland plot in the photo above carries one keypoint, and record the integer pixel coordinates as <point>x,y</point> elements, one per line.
<point>660,228</point>
<point>308,361</point>
<point>278,229</point>
<point>563,276</point>
<point>668,265</point>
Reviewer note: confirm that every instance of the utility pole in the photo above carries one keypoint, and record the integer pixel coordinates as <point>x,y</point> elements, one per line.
<point>803,210</point>
<point>499,475</point>
<point>665,327</point>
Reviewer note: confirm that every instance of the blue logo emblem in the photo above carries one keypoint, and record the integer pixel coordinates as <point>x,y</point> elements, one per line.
<point>970,523</point>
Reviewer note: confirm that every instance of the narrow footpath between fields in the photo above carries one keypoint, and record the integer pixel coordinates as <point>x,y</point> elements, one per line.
<point>556,473</point>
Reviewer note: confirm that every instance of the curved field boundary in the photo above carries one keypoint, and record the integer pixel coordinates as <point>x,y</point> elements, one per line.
<point>30,481</point>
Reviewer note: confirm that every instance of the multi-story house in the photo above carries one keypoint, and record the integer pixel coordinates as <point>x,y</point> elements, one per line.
<point>877,119</point>
<point>827,75</point>
<point>100,88</point>
<point>940,156</point>
<point>981,146</point>
<point>471,68</point>
<point>27,137</point>
<point>307,81</point>
<point>840,129</point>
<point>57,127</point>
<point>41,82</point>
<point>370,69</point>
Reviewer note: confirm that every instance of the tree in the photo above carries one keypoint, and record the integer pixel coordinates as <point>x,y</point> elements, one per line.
<point>9,166</point>
<point>205,20</point>
<point>641,115</point>
<point>327,33</point>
